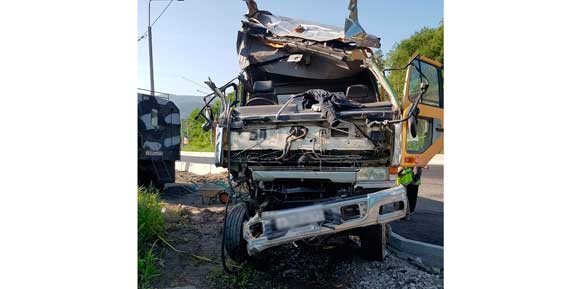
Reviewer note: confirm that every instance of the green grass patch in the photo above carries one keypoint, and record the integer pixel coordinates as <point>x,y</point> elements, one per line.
<point>198,147</point>
<point>150,220</point>
<point>244,278</point>
<point>150,225</point>
<point>147,269</point>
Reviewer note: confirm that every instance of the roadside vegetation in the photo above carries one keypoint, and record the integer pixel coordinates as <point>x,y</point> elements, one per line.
<point>426,42</point>
<point>150,225</point>
<point>191,127</point>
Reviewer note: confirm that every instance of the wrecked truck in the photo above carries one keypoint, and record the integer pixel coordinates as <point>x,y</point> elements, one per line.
<point>314,135</point>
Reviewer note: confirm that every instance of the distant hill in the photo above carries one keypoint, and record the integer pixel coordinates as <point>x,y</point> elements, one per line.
<point>187,103</point>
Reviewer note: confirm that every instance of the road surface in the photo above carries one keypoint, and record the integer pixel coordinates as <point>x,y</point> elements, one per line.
<point>426,224</point>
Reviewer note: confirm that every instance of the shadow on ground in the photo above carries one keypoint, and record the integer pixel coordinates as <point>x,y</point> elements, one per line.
<point>425,225</point>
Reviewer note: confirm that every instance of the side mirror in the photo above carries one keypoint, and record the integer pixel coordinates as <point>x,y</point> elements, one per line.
<point>413,122</point>
<point>413,126</point>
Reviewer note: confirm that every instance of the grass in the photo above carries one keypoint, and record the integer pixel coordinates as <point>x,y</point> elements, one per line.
<point>150,220</point>
<point>147,269</point>
<point>198,147</point>
<point>150,225</point>
<point>241,280</point>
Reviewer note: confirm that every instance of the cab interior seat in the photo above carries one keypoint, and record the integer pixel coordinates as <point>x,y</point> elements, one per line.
<point>359,93</point>
<point>263,94</point>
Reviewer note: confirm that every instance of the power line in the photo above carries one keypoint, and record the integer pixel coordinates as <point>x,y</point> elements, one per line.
<point>165,9</point>
<point>195,82</point>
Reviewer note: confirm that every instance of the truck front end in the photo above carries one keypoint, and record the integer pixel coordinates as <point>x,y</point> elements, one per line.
<point>307,139</point>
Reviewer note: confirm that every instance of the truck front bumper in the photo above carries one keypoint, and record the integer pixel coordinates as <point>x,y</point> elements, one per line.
<point>340,215</point>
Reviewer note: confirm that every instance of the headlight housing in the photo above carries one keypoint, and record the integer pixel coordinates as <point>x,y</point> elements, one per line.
<point>373,174</point>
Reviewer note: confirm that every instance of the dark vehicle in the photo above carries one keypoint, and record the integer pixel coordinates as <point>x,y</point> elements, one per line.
<point>158,144</point>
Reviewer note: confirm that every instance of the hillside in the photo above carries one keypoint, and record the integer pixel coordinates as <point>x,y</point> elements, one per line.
<point>186,103</point>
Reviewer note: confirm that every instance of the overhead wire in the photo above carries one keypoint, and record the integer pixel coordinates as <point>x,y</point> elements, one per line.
<point>163,11</point>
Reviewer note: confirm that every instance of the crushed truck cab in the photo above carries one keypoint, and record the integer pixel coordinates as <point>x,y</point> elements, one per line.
<point>315,134</point>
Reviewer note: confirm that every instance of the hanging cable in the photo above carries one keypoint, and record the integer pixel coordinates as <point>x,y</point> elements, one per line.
<point>146,31</point>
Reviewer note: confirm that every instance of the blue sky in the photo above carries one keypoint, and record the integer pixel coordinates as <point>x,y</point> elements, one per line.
<point>196,39</point>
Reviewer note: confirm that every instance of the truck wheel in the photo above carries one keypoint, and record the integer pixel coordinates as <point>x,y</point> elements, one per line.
<point>373,242</point>
<point>234,243</point>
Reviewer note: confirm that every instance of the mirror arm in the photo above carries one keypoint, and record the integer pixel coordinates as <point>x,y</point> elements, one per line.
<point>411,110</point>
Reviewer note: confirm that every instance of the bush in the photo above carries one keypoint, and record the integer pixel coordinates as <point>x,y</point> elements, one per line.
<point>150,225</point>
<point>150,220</point>
<point>198,139</point>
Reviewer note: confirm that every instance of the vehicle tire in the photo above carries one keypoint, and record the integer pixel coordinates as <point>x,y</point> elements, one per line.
<point>160,186</point>
<point>146,176</point>
<point>373,242</point>
<point>234,243</point>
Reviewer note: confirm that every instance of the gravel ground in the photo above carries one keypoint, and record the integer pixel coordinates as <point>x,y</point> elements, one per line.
<point>195,228</point>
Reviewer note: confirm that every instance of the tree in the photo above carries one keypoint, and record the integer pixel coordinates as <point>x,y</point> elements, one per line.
<point>426,42</point>
<point>198,139</point>
<point>378,53</point>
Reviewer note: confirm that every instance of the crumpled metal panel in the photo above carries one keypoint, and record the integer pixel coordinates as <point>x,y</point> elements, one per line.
<point>252,51</point>
<point>354,31</point>
<point>369,205</point>
<point>284,26</point>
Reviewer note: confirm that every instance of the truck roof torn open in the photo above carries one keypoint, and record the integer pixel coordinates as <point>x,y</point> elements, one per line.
<point>282,45</point>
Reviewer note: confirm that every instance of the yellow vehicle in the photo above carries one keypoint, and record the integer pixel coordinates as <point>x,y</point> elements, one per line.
<point>426,139</point>
<point>316,134</point>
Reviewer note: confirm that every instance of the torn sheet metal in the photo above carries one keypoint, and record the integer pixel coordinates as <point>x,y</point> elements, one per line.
<point>283,26</point>
<point>322,63</point>
<point>354,31</point>
<point>287,27</point>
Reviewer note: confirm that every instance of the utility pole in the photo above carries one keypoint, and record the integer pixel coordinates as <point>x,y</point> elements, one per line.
<point>150,36</point>
<point>150,52</point>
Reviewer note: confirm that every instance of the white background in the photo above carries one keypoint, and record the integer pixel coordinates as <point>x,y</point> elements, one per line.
<point>68,163</point>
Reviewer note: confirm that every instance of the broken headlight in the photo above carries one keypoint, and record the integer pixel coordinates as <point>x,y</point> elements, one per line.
<point>372,174</point>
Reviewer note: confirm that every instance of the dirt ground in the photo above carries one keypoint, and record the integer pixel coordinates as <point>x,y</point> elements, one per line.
<point>194,229</point>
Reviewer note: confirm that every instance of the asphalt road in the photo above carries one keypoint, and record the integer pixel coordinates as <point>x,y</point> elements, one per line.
<point>426,224</point>
<point>431,189</point>
<point>197,159</point>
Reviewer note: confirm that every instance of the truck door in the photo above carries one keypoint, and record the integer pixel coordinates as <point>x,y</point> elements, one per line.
<point>418,150</point>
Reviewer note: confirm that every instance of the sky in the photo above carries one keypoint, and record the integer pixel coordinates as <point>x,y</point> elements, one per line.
<point>195,39</point>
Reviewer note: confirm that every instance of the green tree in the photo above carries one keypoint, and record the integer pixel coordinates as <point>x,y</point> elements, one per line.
<point>426,42</point>
<point>379,56</point>
<point>198,139</point>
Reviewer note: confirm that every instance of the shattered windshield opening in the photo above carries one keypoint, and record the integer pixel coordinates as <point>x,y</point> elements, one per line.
<point>278,89</point>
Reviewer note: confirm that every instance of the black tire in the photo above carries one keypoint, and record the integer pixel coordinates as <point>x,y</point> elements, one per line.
<point>235,245</point>
<point>373,242</point>
<point>146,176</point>
<point>158,185</point>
